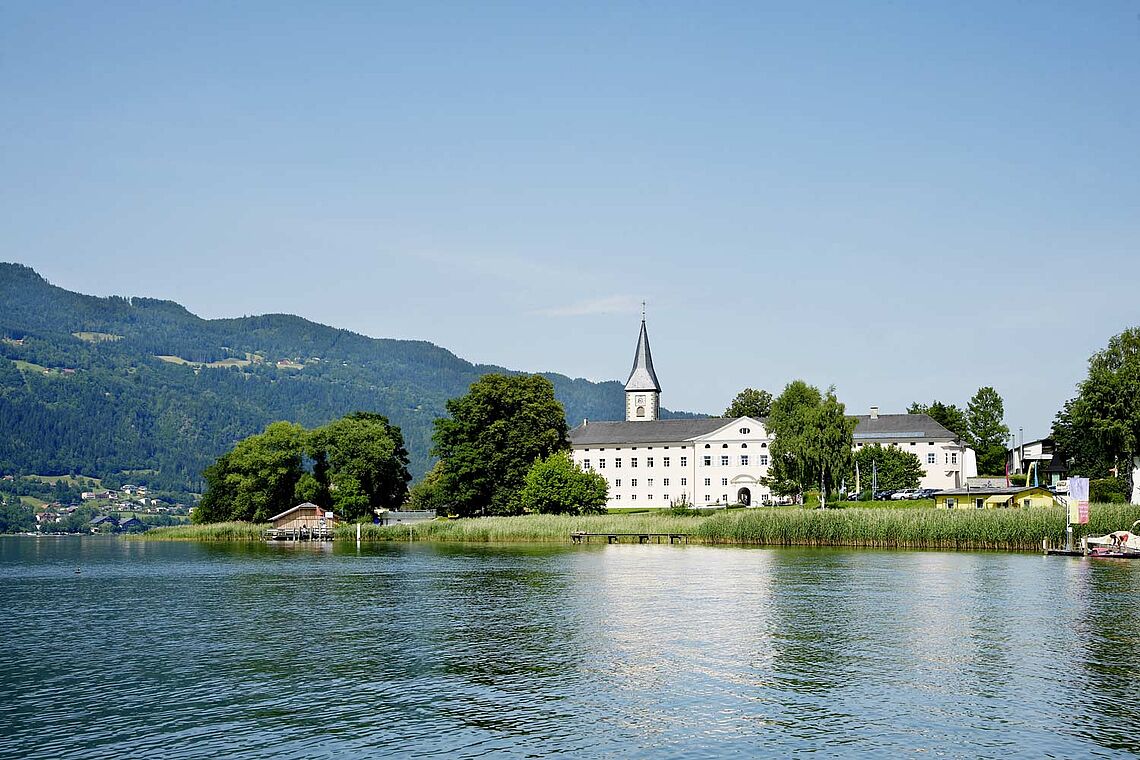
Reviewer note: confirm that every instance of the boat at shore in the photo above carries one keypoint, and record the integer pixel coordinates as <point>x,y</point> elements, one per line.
<point>1116,544</point>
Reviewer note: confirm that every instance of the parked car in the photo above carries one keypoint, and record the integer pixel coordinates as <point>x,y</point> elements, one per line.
<point>904,494</point>
<point>882,495</point>
<point>926,493</point>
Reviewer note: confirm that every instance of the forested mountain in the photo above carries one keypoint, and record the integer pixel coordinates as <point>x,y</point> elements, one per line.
<point>141,390</point>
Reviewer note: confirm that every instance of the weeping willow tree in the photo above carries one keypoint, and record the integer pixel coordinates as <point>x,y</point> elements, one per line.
<point>812,438</point>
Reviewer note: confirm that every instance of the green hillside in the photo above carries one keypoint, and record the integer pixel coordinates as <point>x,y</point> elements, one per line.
<point>142,390</point>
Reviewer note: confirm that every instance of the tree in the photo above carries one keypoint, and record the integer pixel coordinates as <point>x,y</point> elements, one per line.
<point>15,516</point>
<point>1100,429</point>
<point>987,432</point>
<point>948,416</point>
<point>492,436</point>
<point>750,403</point>
<point>256,479</point>
<point>427,494</point>
<point>556,485</point>
<point>811,438</point>
<point>890,466</point>
<point>360,464</point>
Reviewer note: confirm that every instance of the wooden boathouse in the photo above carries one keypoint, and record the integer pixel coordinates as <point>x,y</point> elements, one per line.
<point>304,522</point>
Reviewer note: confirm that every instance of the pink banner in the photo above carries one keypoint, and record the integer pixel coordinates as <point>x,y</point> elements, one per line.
<point>1079,500</point>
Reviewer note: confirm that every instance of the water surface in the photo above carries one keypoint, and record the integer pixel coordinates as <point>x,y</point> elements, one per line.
<point>121,649</point>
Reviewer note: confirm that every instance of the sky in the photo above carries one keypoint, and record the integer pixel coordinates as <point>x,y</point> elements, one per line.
<point>907,201</point>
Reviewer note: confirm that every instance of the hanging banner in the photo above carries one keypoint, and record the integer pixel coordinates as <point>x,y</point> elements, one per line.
<point>1078,501</point>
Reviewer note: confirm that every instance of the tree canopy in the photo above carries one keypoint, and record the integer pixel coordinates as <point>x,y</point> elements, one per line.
<point>1099,429</point>
<point>358,464</point>
<point>492,436</point>
<point>987,432</point>
<point>812,439</point>
<point>948,416</point>
<point>889,467</point>
<point>556,485</point>
<point>750,403</point>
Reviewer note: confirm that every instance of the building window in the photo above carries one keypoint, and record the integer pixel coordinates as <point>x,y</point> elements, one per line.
<point>640,413</point>
<point>745,431</point>
<point>633,483</point>
<point>708,481</point>
<point>684,481</point>
<point>684,461</point>
<point>707,498</point>
<point>617,497</point>
<point>724,445</point>
<point>665,496</point>
<point>724,461</point>
<point>649,461</point>
<point>950,503</point>
<point>979,503</point>
<point>665,482</point>
<point>617,462</point>
<point>708,445</point>
<point>954,458</point>
<point>601,464</point>
<point>665,461</point>
<point>649,482</point>
<point>633,461</point>
<point>743,460</point>
<point>724,498</point>
<point>930,458</point>
<point>649,497</point>
<point>763,445</point>
<point>633,497</point>
<point>708,461</point>
<point>744,445</point>
<point>585,464</point>
<point>617,483</point>
<point>764,460</point>
<point>724,481</point>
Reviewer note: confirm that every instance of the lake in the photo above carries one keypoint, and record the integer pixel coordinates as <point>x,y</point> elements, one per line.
<point>118,649</point>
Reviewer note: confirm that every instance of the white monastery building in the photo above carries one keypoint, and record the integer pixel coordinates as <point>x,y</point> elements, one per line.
<point>651,462</point>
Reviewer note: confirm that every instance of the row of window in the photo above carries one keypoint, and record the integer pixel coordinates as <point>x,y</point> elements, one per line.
<point>707,461</point>
<point>665,497</point>
<point>649,482</point>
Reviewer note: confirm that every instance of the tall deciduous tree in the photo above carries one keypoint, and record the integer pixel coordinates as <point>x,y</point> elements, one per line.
<point>750,403</point>
<point>811,438</point>
<point>987,432</point>
<point>1100,428</point>
<point>556,485</point>
<point>948,416</point>
<point>256,479</point>
<point>492,437</point>
<point>364,461</point>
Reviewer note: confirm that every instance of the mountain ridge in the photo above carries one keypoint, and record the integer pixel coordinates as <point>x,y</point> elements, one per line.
<point>107,385</point>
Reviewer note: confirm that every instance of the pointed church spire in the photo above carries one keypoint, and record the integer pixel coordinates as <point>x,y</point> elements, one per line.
<point>642,376</point>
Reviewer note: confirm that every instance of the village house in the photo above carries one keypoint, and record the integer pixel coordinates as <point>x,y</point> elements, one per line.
<point>994,498</point>
<point>650,462</point>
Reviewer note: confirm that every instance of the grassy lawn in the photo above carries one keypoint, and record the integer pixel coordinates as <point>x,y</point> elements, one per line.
<point>67,480</point>
<point>29,367</point>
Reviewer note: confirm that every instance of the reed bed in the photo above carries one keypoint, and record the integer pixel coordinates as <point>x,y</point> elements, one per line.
<point>224,531</point>
<point>1004,529</point>
<point>999,529</point>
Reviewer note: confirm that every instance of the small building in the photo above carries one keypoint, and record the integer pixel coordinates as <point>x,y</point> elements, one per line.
<point>304,522</point>
<point>1038,453</point>
<point>104,524</point>
<point>994,498</point>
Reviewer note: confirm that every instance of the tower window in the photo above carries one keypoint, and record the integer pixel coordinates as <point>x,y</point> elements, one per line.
<point>641,411</point>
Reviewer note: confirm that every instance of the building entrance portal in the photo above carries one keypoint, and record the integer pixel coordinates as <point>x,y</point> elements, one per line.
<point>744,497</point>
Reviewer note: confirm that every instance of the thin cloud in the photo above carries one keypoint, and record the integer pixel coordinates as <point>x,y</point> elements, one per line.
<point>609,305</point>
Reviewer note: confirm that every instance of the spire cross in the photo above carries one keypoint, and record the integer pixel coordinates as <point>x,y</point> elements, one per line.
<point>643,311</point>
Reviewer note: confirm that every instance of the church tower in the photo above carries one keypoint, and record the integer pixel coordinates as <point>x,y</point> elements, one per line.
<point>642,391</point>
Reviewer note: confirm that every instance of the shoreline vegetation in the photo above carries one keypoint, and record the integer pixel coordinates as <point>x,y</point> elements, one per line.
<point>960,529</point>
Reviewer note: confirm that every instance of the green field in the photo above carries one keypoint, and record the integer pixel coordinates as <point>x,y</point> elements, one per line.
<point>79,480</point>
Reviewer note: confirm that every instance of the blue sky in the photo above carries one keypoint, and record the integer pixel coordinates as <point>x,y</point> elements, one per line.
<point>905,200</point>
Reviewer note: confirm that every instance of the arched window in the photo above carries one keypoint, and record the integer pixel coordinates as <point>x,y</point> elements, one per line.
<point>724,445</point>
<point>745,431</point>
<point>708,445</point>
<point>641,411</point>
<point>744,445</point>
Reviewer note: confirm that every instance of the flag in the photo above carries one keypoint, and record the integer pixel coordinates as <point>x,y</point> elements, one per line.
<point>858,489</point>
<point>1078,500</point>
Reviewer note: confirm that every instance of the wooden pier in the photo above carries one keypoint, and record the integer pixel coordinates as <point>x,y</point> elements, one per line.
<point>582,537</point>
<point>299,534</point>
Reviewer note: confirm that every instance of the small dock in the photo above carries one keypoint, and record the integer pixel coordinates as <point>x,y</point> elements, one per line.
<point>299,534</point>
<point>583,537</point>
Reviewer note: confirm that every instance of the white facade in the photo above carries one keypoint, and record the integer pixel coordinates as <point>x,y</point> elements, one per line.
<point>945,463</point>
<point>723,466</point>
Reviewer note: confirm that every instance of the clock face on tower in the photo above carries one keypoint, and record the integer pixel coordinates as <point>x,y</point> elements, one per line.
<point>640,400</point>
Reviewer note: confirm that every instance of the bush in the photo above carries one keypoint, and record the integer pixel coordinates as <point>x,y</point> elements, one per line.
<point>1017,479</point>
<point>1108,491</point>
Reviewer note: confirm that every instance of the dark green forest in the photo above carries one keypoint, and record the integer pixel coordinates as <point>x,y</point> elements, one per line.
<point>82,390</point>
